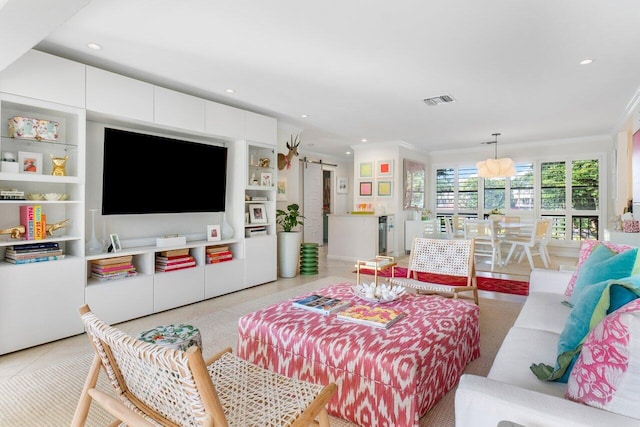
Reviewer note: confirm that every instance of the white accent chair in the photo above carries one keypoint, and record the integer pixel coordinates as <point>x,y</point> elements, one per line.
<point>486,239</point>
<point>533,244</point>
<point>441,256</point>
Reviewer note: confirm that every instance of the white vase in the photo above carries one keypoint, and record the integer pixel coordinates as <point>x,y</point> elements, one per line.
<point>225,228</point>
<point>93,245</point>
<point>289,252</point>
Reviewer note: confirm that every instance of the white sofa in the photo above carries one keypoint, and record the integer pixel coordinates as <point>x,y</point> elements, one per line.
<point>511,392</point>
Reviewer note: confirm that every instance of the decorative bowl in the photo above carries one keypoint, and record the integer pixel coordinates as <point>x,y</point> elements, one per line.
<point>381,293</point>
<point>54,196</point>
<point>35,196</point>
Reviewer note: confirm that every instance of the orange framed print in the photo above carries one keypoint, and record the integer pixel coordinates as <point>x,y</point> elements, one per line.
<point>366,189</point>
<point>366,170</point>
<point>384,188</point>
<point>384,168</point>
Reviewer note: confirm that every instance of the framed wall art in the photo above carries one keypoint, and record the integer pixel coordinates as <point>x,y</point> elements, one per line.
<point>384,168</point>
<point>366,189</point>
<point>281,190</point>
<point>213,233</point>
<point>366,170</point>
<point>257,214</point>
<point>384,188</point>
<point>342,185</point>
<point>30,162</point>
<point>266,179</point>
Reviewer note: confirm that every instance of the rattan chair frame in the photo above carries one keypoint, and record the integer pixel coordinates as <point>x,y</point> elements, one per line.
<point>452,257</point>
<point>160,386</point>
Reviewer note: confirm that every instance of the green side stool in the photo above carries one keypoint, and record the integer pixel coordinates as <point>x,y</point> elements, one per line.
<point>308,259</point>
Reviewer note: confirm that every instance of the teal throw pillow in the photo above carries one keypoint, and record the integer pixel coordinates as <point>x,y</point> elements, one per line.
<point>603,264</point>
<point>593,304</point>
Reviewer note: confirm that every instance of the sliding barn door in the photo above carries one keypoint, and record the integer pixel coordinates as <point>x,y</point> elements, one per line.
<point>312,199</point>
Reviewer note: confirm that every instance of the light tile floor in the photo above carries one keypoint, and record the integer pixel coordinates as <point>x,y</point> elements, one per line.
<point>45,355</point>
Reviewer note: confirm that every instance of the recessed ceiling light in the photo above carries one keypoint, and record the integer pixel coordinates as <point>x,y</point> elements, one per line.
<point>586,61</point>
<point>230,90</point>
<point>304,115</point>
<point>363,140</point>
<point>94,46</point>
<point>347,153</point>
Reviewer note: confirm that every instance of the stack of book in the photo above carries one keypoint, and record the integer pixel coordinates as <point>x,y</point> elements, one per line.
<point>34,222</point>
<point>217,254</point>
<point>175,259</point>
<point>321,304</point>
<point>113,268</point>
<point>33,252</point>
<point>380,317</point>
<point>11,194</point>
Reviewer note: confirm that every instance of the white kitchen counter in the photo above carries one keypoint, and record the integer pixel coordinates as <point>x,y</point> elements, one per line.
<point>353,237</point>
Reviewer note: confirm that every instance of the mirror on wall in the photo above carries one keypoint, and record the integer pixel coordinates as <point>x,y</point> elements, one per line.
<point>414,176</point>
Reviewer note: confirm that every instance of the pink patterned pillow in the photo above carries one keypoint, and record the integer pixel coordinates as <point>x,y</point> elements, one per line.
<point>585,251</point>
<point>607,372</point>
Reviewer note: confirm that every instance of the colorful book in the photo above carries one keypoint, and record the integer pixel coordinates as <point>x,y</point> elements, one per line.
<point>33,251</point>
<point>175,252</point>
<point>12,255</point>
<point>38,259</point>
<point>107,269</point>
<point>114,260</point>
<point>216,261</point>
<point>27,220</point>
<point>217,249</point>
<point>321,304</point>
<point>173,260</point>
<point>35,246</point>
<point>38,231</point>
<point>381,317</point>
<point>176,267</point>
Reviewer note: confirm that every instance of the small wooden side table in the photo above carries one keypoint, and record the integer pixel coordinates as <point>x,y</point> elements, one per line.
<point>378,264</point>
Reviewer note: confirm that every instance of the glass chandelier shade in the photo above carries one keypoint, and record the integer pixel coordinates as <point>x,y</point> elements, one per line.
<point>496,168</point>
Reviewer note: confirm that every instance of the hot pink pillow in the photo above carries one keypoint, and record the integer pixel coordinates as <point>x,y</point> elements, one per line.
<point>607,372</point>
<point>585,251</point>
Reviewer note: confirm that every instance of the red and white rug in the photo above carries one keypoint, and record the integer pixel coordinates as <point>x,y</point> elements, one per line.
<point>513,287</point>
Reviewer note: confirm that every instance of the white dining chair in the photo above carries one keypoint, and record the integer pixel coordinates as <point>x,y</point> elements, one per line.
<point>487,243</point>
<point>533,244</point>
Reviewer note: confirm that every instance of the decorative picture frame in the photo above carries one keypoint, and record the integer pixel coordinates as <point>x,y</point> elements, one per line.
<point>281,190</point>
<point>366,170</point>
<point>214,233</point>
<point>366,189</point>
<point>30,162</point>
<point>342,185</point>
<point>384,168</point>
<point>257,214</point>
<point>385,188</point>
<point>266,179</point>
<point>115,243</point>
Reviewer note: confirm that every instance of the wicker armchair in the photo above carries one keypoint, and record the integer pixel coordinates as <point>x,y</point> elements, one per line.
<point>160,386</point>
<point>441,256</point>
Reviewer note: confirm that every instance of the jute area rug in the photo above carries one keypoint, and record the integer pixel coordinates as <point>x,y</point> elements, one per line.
<point>48,397</point>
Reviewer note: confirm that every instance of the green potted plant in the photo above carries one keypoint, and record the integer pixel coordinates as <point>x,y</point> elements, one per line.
<point>289,240</point>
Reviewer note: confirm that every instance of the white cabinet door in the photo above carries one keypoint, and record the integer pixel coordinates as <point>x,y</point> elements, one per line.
<point>260,262</point>
<point>312,205</point>
<point>260,128</point>
<point>178,110</point>
<point>39,302</point>
<point>119,300</point>
<point>42,76</point>
<point>222,120</point>
<point>119,96</point>
<point>176,288</point>
<point>223,278</point>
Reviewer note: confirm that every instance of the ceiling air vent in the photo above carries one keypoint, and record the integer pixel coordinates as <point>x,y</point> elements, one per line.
<point>437,100</point>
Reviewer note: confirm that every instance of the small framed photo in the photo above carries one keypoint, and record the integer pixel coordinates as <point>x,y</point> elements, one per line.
<point>266,179</point>
<point>257,214</point>
<point>342,185</point>
<point>213,233</point>
<point>115,243</point>
<point>384,168</point>
<point>366,170</point>
<point>30,162</point>
<point>384,188</point>
<point>366,188</point>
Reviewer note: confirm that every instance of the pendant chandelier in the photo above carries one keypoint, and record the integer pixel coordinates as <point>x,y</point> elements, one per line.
<point>496,168</point>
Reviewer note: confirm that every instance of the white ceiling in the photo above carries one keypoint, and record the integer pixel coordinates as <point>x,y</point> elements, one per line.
<point>360,69</point>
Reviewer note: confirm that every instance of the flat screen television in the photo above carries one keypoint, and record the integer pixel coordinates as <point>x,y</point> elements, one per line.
<point>148,174</point>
